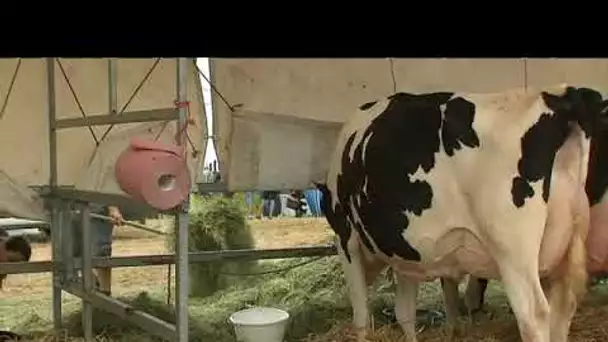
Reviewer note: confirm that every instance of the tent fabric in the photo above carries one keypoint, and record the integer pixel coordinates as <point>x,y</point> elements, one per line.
<point>17,200</point>
<point>82,88</point>
<point>330,90</point>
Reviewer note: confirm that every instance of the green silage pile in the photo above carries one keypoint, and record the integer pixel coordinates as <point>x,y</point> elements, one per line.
<point>315,295</point>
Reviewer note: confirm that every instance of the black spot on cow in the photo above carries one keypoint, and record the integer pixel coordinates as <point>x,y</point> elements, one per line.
<point>368,105</point>
<point>597,176</point>
<point>378,183</point>
<point>458,126</point>
<point>540,143</point>
<point>335,217</point>
<point>521,190</point>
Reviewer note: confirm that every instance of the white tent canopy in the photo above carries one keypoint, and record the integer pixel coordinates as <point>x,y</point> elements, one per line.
<point>275,132</point>
<point>145,88</point>
<point>286,112</point>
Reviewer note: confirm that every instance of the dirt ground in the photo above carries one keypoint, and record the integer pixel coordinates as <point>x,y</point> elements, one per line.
<point>275,233</point>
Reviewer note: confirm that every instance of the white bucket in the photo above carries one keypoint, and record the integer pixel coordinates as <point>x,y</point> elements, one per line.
<point>259,324</point>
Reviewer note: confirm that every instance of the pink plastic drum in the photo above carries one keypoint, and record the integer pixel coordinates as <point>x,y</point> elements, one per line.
<point>154,173</point>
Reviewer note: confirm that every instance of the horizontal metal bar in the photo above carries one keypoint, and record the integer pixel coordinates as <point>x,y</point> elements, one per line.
<point>100,198</point>
<point>163,114</point>
<point>26,267</point>
<point>260,254</point>
<point>14,223</point>
<point>39,226</point>
<point>165,259</point>
<point>211,187</point>
<point>70,193</point>
<point>222,187</point>
<point>147,322</point>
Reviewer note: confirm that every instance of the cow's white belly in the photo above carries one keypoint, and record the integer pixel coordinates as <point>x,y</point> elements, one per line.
<point>457,252</point>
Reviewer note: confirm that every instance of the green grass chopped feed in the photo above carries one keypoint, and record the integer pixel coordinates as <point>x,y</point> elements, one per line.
<point>314,294</point>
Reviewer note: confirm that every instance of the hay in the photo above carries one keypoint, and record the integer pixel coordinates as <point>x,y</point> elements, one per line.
<point>216,223</point>
<point>315,295</point>
<point>111,327</point>
<point>496,324</point>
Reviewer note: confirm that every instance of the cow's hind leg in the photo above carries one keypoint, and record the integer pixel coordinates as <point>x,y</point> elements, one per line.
<point>357,287</point>
<point>474,296</point>
<point>451,297</point>
<point>569,282</point>
<point>528,301</point>
<point>405,305</point>
<point>518,265</point>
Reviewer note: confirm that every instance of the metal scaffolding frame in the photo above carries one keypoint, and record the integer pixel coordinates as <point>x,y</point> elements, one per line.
<point>64,201</point>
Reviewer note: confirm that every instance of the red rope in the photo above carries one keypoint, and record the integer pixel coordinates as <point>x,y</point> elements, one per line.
<point>186,104</point>
<point>183,132</point>
<point>182,104</point>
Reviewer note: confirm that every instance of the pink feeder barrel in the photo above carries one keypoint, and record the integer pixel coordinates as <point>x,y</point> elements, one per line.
<point>154,173</point>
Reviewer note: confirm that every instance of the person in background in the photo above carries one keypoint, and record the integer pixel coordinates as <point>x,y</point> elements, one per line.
<point>271,203</point>
<point>250,204</point>
<point>13,249</point>
<point>313,198</point>
<point>101,244</point>
<point>297,202</point>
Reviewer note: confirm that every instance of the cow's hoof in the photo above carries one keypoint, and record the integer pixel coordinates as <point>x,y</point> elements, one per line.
<point>454,330</point>
<point>361,334</point>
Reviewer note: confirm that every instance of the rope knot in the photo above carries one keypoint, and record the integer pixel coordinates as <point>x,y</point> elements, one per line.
<point>185,104</point>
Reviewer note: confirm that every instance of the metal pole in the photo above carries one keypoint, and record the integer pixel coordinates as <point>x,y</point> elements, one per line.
<point>67,241</point>
<point>166,259</point>
<point>112,91</point>
<point>181,276</point>
<point>52,113</point>
<point>55,219</point>
<point>58,274</point>
<point>87,273</point>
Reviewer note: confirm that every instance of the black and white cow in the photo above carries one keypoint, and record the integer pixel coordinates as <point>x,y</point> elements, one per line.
<point>446,184</point>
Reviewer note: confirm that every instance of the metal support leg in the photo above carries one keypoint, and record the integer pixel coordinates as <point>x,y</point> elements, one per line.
<point>67,242</point>
<point>87,273</point>
<point>112,96</point>
<point>58,274</point>
<point>181,276</point>
<point>55,212</point>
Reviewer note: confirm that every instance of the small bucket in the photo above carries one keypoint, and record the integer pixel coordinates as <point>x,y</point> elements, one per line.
<point>259,324</point>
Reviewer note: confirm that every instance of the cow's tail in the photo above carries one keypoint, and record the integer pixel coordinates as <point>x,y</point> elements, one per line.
<point>571,283</point>
<point>576,266</point>
<point>576,277</point>
<point>577,254</point>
